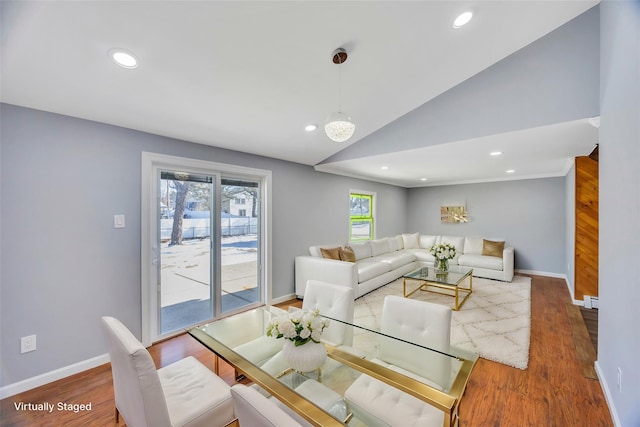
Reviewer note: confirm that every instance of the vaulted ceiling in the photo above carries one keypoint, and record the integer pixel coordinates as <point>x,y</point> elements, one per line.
<point>249,76</point>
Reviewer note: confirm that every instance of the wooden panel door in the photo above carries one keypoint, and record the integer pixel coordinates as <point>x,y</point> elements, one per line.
<point>586,233</point>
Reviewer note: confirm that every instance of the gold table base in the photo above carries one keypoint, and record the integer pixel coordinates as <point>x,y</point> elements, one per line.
<point>426,284</point>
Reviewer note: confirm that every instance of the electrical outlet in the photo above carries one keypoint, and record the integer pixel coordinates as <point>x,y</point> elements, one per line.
<point>27,344</point>
<point>619,382</point>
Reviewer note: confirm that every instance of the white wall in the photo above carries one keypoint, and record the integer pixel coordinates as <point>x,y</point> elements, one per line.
<point>570,228</point>
<point>619,287</point>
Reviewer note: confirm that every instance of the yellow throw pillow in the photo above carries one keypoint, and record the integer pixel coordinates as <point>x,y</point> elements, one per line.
<point>330,253</point>
<point>492,248</point>
<point>347,254</point>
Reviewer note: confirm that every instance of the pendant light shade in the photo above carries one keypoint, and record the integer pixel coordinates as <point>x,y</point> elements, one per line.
<point>339,126</point>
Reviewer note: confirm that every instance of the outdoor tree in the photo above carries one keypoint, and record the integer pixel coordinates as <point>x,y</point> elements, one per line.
<point>182,189</point>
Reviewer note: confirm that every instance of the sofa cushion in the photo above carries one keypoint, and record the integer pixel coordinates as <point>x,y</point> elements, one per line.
<point>370,269</point>
<point>423,256</point>
<point>456,241</point>
<point>379,246</point>
<point>361,249</point>
<point>396,259</point>
<point>347,254</point>
<point>481,261</point>
<point>400,242</point>
<point>330,253</point>
<point>411,241</point>
<point>473,246</point>
<point>427,241</point>
<point>393,244</point>
<point>492,248</point>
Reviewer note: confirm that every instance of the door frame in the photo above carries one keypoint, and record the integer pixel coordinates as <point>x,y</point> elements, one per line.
<point>152,163</point>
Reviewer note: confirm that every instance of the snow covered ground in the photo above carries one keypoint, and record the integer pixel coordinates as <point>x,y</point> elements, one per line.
<point>186,268</point>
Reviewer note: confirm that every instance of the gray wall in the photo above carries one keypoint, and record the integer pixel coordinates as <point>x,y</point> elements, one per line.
<point>619,283</point>
<point>63,265</point>
<point>528,214</point>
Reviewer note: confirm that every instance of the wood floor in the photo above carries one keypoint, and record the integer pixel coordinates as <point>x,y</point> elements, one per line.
<point>590,317</point>
<point>551,392</point>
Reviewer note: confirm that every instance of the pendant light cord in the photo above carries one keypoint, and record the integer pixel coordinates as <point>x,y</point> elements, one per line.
<point>340,87</point>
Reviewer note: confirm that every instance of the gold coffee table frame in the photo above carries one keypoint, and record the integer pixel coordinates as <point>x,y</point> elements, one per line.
<point>450,281</point>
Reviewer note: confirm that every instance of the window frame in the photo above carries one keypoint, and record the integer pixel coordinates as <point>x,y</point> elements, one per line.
<point>360,218</point>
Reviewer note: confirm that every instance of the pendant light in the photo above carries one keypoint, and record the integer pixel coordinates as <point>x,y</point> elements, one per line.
<point>339,127</point>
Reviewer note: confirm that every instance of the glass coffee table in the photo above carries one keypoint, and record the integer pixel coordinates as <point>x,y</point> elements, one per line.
<point>322,397</point>
<point>451,282</point>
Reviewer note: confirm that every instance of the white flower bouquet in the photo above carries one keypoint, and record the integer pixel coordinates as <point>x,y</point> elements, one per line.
<point>443,253</point>
<point>299,326</point>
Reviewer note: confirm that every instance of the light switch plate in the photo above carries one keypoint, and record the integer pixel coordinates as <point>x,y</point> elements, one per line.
<point>118,221</point>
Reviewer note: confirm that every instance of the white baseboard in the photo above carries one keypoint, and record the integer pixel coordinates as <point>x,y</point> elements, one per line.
<point>51,376</point>
<point>541,273</point>
<point>607,395</point>
<point>556,275</point>
<point>282,299</point>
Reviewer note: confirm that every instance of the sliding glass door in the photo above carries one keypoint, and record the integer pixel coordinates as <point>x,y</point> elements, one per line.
<point>239,243</point>
<point>187,266</point>
<point>204,240</point>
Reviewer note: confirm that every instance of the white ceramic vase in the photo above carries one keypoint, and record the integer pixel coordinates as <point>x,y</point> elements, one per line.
<point>305,358</point>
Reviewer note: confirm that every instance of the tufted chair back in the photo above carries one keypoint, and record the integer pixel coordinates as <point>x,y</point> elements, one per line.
<point>423,323</point>
<point>334,301</point>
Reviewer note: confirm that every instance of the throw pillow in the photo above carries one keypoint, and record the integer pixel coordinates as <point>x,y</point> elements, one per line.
<point>347,254</point>
<point>492,248</point>
<point>330,253</point>
<point>411,241</point>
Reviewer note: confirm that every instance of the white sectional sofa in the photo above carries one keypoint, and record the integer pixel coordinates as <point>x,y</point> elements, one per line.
<point>380,261</point>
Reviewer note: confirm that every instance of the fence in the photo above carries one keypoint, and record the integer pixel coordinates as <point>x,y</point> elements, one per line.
<point>199,228</point>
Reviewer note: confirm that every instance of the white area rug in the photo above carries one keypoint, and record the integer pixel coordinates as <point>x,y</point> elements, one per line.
<point>494,322</point>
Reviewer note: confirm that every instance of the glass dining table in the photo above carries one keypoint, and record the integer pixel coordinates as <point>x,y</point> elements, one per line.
<point>332,395</point>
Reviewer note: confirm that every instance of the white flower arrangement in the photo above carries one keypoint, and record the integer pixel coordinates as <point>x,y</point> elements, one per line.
<point>299,326</point>
<point>443,251</point>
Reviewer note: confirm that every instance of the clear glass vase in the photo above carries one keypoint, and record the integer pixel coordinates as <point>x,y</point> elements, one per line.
<point>442,265</point>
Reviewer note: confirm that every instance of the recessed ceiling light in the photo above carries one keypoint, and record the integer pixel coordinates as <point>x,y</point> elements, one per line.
<point>310,128</point>
<point>462,19</point>
<point>511,171</point>
<point>123,58</point>
<point>384,168</point>
<point>423,179</point>
<point>495,153</point>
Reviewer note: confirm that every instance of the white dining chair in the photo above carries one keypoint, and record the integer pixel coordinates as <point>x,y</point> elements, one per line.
<point>427,324</point>
<point>185,393</point>
<point>333,301</point>
<point>255,410</point>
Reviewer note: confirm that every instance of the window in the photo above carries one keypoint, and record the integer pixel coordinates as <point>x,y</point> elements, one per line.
<point>242,212</point>
<point>360,216</point>
<point>240,200</point>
